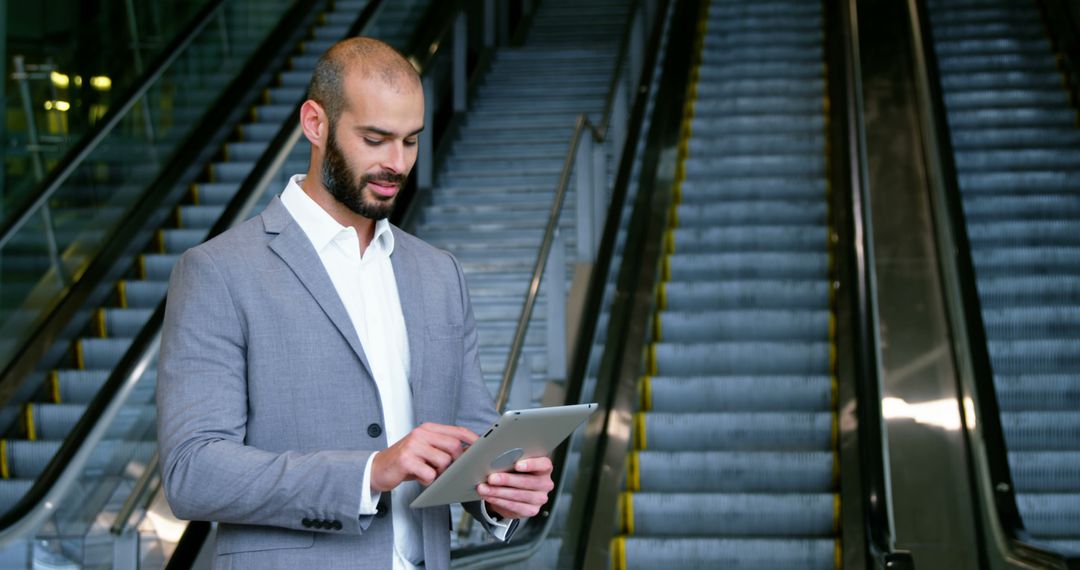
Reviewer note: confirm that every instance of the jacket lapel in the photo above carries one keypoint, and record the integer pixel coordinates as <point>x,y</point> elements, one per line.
<point>411,295</point>
<point>294,248</point>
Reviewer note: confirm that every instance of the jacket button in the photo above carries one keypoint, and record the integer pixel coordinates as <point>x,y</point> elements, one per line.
<point>374,430</point>
<point>336,525</point>
<point>306,523</point>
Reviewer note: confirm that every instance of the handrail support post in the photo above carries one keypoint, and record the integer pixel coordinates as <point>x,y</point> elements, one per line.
<point>598,195</point>
<point>489,23</point>
<point>555,291</point>
<point>583,164</point>
<point>459,80</point>
<point>425,177</point>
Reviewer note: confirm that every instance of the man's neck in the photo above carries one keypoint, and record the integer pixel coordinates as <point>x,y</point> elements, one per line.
<point>365,227</point>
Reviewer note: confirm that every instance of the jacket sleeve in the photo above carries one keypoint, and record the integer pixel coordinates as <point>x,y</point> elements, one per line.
<point>476,406</point>
<point>208,471</point>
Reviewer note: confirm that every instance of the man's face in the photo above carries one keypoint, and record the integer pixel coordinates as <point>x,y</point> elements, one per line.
<point>372,147</point>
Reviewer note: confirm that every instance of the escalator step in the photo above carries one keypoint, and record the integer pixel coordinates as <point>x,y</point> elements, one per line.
<point>733,553</point>
<point>756,265</point>
<point>734,472</point>
<point>689,295</point>
<point>1031,392</point>
<point>749,515</point>
<point>759,212</point>
<point>743,325</point>
<point>756,431</point>
<point>1042,430</point>
<point>1045,471</point>
<point>739,393</point>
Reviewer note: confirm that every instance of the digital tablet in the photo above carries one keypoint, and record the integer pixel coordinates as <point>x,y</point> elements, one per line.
<point>518,434</point>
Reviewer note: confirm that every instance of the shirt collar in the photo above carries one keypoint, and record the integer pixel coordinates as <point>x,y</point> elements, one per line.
<point>321,228</point>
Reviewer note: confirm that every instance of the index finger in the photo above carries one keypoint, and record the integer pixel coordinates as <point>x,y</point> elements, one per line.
<point>463,435</point>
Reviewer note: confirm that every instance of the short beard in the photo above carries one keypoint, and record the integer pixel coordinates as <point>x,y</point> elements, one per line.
<point>347,188</point>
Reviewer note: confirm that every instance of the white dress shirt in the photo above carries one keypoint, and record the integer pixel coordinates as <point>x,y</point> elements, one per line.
<point>367,287</point>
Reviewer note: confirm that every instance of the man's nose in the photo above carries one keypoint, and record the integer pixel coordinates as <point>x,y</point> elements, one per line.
<point>395,157</point>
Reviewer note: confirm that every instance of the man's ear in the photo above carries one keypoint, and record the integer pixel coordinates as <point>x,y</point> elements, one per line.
<point>314,122</point>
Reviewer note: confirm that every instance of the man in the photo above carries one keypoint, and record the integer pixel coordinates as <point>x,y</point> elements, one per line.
<point>318,365</point>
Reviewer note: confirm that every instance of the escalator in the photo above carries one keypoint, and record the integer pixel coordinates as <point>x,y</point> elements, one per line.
<point>734,459</point>
<point>49,238</point>
<point>1016,152</point>
<point>74,372</point>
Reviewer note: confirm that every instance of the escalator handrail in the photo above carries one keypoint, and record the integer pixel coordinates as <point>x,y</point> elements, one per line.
<point>975,356</point>
<point>87,144</point>
<point>42,499</point>
<point>877,522</point>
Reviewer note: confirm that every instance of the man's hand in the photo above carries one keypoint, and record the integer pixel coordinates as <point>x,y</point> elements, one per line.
<point>519,493</point>
<point>422,455</point>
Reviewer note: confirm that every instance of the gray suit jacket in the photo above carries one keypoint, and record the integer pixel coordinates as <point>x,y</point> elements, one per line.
<point>267,409</point>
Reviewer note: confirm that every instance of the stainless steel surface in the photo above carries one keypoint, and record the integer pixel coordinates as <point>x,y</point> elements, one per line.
<point>932,498</point>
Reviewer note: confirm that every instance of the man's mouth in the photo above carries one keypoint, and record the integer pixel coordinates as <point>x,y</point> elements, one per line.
<point>383,188</point>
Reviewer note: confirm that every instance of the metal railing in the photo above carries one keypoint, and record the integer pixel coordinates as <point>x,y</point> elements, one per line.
<point>876,497</point>
<point>1002,526</point>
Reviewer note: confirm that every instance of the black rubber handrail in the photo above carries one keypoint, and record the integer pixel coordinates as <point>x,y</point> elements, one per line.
<point>989,411</point>
<point>82,149</point>
<point>33,506</point>
<point>849,179</point>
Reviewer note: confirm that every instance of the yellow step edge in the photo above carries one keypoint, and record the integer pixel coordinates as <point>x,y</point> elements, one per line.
<point>54,386</point>
<point>28,422</point>
<point>834,432</point>
<point>80,357</point>
<point>669,241</point>
<point>673,217</point>
<point>142,267</point>
<point>639,439</point>
<point>121,294</point>
<point>836,470</point>
<point>159,241</point>
<point>633,472</point>
<point>626,501</point>
<point>661,296</point>
<point>836,513</point>
<point>650,360</point>
<point>676,192</point>
<point>838,556</point>
<point>832,328</point>
<point>667,268</point>
<point>5,471</point>
<point>179,217</point>
<point>210,172</point>
<point>657,328</point>
<point>99,325</point>
<point>645,392</point>
<point>618,553</point>
<point>195,194</point>
<point>834,392</point>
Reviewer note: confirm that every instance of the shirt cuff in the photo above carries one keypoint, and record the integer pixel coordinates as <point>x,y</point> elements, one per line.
<point>497,528</point>
<point>369,500</point>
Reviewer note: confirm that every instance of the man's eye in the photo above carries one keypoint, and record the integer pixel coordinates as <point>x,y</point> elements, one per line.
<point>410,142</point>
<point>372,142</point>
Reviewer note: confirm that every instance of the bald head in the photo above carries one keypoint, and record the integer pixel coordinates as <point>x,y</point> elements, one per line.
<point>368,57</point>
